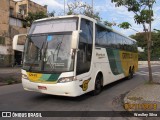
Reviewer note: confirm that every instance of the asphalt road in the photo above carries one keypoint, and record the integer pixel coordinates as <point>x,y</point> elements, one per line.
<point>14,98</point>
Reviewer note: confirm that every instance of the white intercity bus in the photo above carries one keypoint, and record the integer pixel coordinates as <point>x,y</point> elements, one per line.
<point>73,55</point>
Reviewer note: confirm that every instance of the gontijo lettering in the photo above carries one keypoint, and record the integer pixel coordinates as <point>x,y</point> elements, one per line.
<point>32,74</point>
<point>143,106</point>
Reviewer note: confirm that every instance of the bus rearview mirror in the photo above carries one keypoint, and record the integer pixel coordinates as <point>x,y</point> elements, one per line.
<point>75,36</point>
<point>18,42</point>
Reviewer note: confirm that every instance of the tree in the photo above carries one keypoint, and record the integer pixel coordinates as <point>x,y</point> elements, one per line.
<point>107,23</point>
<point>125,25</point>
<point>140,38</point>
<point>34,16</point>
<point>157,30</point>
<point>51,14</point>
<point>77,7</point>
<point>155,49</point>
<point>143,16</point>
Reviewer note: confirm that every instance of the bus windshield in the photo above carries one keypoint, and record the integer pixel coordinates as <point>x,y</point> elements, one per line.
<point>48,52</point>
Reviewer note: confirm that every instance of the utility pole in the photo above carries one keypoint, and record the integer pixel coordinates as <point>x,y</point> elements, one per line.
<point>64,7</point>
<point>92,6</point>
<point>150,3</point>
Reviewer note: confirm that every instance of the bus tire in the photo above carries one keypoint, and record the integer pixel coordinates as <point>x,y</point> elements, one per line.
<point>98,84</point>
<point>130,76</point>
<point>133,70</point>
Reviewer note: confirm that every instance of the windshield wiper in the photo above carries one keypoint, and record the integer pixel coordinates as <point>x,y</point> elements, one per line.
<point>59,46</point>
<point>44,55</point>
<point>53,53</point>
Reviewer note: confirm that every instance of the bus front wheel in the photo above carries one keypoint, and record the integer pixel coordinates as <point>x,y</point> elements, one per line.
<point>98,85</point>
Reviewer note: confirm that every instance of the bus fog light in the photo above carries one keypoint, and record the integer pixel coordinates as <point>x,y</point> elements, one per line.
<point>66,79</point>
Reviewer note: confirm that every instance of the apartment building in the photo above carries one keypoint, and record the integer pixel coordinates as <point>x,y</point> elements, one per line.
<point>12,14</point>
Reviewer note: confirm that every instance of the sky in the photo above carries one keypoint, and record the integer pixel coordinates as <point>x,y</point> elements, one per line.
<point>108,12</point>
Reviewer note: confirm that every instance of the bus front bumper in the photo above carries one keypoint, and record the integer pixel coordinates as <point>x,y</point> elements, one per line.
<point>62,89</point>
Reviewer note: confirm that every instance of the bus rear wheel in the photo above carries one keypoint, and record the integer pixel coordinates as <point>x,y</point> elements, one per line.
<point>98,85</point>
<point>130,76</point>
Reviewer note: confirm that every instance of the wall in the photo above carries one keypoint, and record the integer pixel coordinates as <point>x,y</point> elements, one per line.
<point>15,22</point>
<point>14,30</point>
<point>34,7</point>
<point>4,13</point>
<point>11,24</point>
<point>5,50</point>
<point>12,5</point>
<point>31,6</point>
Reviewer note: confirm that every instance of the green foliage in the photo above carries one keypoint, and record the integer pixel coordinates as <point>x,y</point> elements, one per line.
<point>51,14</point>
<point>141,8</point>
<point>77,7</point>
<point>141,39</point>
<point>34,16</point>
<point>143,17</point>
<point>125,25</point>
<point>155,49</point>
<point>11,81</point>
<point>107,23</point>
<point>157,30</point>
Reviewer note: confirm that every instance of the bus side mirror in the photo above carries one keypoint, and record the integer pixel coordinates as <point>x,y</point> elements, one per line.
<point>18,42</point>
<point>75,38</point>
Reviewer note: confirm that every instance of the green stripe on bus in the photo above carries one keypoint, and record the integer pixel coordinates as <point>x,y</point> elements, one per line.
<point>53,77</point>
<point>114,61</point>
<point>50,77</point>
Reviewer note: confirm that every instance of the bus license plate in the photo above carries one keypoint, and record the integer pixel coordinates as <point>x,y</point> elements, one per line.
<point>42,87</point>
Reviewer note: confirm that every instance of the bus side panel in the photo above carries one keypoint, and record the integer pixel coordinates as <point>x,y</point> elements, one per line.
<point>121,61</point>
<point>129,59</point>
<point>115,61</point>
<point>108,62</point>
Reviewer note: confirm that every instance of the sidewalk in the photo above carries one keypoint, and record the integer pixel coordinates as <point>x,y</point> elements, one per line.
<point>145,97</point>
<point>10,75</point>
<point>144,94</point>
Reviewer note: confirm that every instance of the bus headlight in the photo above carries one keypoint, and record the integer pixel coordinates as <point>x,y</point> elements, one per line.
<point>66,79</point>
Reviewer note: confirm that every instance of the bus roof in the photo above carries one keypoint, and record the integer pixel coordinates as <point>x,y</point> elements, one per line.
<point>86,17</point>
<point>67,16</point>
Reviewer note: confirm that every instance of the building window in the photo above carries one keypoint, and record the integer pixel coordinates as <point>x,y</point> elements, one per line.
<point>1,58</point>
<point>23,9</point>
<point>11,12</point>
<point>2,40</point>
